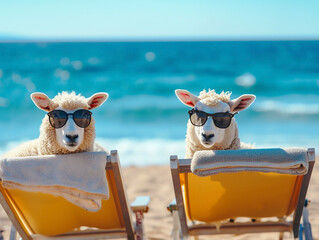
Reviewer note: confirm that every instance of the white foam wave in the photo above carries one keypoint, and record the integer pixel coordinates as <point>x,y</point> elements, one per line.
<point>133,151</point>
<point>145,151</point>
<point>310,108</point>
<point>6,146</point>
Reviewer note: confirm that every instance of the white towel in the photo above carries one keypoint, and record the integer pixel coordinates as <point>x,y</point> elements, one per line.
<point>278,160</point>
<point>79,177</point>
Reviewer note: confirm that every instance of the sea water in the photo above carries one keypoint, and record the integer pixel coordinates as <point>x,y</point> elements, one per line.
<point>142,118</point>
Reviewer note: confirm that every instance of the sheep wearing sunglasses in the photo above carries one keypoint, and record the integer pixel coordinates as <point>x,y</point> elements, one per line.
<point>68,126</point>
<point>211,122</point>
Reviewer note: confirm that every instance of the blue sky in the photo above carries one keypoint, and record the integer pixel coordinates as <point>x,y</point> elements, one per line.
<point>70,19</point>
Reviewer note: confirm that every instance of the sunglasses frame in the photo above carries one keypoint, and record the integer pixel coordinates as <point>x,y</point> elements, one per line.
<point>67,119</point>
<point>192,111</point>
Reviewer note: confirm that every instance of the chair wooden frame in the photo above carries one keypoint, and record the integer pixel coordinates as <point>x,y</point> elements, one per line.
<point>183,230</point>
<point>139,207</point>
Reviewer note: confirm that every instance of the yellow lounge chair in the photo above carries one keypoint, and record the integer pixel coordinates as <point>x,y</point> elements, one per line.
<point>219,203</point>
<point>37,215</point>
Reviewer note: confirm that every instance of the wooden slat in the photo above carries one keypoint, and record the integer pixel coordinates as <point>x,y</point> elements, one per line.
<point>184,165</point>
<point>115,161</point>
<point>97,234</point>
<point>178,194</point>
<point>12,217</point>
<point>108,165</point>
<point>303,192</point>
<point>240,228</point>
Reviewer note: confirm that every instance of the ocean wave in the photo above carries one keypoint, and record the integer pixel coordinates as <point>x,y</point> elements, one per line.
<point>142,152</point>
<point>157,151</point>
<point>144,101</point>
<point>305,105</point>
<point>134,151</point>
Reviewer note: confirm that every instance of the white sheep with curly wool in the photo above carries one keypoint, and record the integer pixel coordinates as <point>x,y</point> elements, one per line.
<point>45,164</point>
<point>69,138</point>
<point>212,125</point>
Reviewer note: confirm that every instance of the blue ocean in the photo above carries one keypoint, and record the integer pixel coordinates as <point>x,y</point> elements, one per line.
<point>142,118</point>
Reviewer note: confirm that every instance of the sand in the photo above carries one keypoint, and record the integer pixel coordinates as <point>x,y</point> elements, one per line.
<point>156,182</point>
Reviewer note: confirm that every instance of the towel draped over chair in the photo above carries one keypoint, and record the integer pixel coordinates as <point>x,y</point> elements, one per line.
<point>285,161</point>
<point>79,178</point>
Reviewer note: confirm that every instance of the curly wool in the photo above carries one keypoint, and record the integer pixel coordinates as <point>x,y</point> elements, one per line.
<point>70,101</point>
<point>46,143</point>
<point>211,98</point>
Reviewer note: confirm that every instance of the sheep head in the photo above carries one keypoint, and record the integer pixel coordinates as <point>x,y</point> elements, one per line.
<point>60,132</point>
<point>206,133</point>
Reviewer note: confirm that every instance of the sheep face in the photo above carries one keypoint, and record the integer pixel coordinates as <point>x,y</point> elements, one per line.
<point>59,130</point>
<point>70,136</point>
<point>208,134</point>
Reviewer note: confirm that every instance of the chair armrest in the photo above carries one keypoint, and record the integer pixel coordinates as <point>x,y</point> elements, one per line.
<point>172,206</point>
<point>140,204</point>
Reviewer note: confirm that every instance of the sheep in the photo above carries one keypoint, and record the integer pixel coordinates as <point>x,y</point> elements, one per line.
<point>69,138</point>
<point>208,136</point>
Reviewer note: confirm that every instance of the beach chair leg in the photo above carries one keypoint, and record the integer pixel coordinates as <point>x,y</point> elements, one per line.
<point>139,229</point>
<point>306,224</point>
<point>176,227</point>
<point>139,207</point>
<point>281,236</point>
<point>176,233</point>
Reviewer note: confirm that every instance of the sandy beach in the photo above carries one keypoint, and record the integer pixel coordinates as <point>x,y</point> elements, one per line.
<point>156,182</point>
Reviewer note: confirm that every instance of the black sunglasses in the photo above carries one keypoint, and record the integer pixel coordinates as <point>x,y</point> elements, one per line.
<point>221,119</point>
<point>81,117</point>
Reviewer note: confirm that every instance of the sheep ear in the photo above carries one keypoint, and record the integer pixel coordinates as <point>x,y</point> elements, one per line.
<point>42,101</point>
<point>241,103</point>
<point>186,97</point>
<point>97,100</point>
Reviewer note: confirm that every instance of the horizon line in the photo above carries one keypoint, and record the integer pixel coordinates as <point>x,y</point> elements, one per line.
<point>18,39</point>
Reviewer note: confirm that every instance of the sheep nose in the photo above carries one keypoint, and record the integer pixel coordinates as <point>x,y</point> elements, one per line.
<point>72,138</point>
<point>208,136</point>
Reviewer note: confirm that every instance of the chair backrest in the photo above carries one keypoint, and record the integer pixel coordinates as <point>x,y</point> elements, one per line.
<point>243,194</point>
<point>239,194</point>
<point>39,213</point>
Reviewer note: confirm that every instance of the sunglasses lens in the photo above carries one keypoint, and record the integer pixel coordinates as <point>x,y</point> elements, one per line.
<point>198,118</point>
<point>58,118</point>
<point>222,120</point>
<point>82,118</point>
